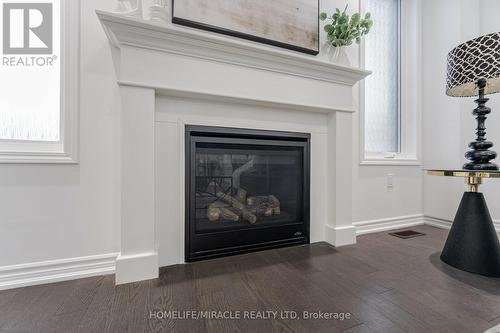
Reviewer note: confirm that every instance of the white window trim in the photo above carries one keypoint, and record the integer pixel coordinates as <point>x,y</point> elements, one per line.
<point>64,151</point>
<point>410,93</point>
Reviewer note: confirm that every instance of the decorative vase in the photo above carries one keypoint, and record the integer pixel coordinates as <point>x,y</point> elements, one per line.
<point>126,7</point>
<point>340,56</point>
<point>155,11</point>
<point>158,12</point>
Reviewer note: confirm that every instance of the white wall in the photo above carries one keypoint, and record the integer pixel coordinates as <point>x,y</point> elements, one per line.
<point>448,121</point>
<point>63,211</point>
<point>488,23</point>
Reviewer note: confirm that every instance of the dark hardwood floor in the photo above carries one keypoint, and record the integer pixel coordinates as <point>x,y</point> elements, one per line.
<point>384,283</point>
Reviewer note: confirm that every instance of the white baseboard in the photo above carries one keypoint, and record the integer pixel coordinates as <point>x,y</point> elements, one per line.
<point>446,224</point>
<point>372,226</point>
<point>340,236</point>
<point>23,275</point>
<point>138,267</point>
<point>437,222</point>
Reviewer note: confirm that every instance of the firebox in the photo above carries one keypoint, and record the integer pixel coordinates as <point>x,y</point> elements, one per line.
<point>246,190</point>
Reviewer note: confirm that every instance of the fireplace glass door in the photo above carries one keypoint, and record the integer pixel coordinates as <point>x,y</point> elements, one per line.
<point>246,186</point>
<point>245,191</point>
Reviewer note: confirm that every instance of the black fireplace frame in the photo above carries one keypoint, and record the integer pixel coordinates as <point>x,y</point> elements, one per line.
<point>195,134</point>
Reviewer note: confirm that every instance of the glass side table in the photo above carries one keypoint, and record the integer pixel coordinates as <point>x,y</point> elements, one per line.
<point>472,243</point>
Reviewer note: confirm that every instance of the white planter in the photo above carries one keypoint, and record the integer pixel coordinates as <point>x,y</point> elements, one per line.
<point>340,56</point>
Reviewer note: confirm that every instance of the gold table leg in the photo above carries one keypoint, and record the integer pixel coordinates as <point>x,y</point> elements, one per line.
<point>473,183</point>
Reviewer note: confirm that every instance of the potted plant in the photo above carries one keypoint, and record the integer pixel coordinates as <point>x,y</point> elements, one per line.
<point>343,30</point>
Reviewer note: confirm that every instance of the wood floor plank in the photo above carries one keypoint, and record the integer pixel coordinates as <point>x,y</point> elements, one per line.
<point>98,314</point>
<point>128,309</point>
<point>386,284</point>
<point>400,269</point>
<point>238,297</point>
<point>438,300</point>
<point>81,295</point>
<point>429,314</point>
<point>406,321</point>
<point>174,291</point>
<point>15,313</point>
<point>275,294</point>
<point>358,329</point>
<point>7,295</point>
<point>67,322</point>
<point>48,305</point>
<point>334,291</point>
<point>308,294</point>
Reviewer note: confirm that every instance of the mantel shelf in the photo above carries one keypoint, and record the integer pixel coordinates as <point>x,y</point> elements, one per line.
<point>128,31</point>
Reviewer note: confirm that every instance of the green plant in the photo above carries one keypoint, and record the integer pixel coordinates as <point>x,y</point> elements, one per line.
<point>342,31</point>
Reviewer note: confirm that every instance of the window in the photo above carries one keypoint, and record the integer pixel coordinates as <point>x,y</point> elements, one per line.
<point>38,80</point>
<point>382,93</point>
<point>390,51</point>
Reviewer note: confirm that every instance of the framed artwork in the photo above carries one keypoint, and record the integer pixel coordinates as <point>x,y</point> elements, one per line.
<point>291,24</point>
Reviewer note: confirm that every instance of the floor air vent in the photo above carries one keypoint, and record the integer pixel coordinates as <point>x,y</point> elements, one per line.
<point>405,234</point>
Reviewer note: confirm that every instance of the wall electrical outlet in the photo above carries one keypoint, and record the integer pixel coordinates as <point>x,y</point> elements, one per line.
<point>390,181</point>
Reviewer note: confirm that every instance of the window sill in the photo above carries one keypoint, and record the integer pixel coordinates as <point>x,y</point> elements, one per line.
<point>38,152</point>
<point>36,158</point>
<point>394,161</point>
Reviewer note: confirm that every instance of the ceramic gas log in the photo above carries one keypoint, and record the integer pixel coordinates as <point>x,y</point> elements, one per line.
<point>233,208</point>
<point>239,207</point>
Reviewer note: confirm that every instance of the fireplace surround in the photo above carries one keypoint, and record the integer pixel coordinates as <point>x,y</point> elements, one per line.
<point>169,77</point>
<point>246,190</point>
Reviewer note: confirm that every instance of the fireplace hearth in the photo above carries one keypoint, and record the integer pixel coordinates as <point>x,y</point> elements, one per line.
<point>246,190</point>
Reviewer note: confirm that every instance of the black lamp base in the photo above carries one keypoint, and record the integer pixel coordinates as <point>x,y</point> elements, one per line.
<point>472,243</point>
<point>480,166</point>
<point>480,155</point>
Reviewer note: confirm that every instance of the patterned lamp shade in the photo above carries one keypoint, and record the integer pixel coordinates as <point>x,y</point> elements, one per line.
<point>476,59</point>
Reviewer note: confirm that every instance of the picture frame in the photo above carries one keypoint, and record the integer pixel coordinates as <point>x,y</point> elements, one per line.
<point>289,24</point>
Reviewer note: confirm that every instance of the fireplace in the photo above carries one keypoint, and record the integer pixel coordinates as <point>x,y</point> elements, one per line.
<point>246,190</point>
<point>162,73</point>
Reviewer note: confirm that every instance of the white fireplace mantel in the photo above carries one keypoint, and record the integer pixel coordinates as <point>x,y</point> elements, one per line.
<point>129,31</point>
<point>152,60</point>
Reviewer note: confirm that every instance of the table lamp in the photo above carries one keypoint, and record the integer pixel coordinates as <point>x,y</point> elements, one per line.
<point>474,70</point>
